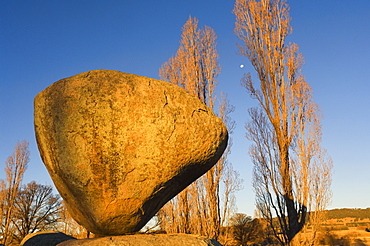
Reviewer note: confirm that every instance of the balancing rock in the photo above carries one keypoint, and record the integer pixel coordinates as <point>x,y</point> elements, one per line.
<point>118,146</point>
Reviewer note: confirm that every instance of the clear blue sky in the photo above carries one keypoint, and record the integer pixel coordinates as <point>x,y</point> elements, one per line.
<point>44,41</point>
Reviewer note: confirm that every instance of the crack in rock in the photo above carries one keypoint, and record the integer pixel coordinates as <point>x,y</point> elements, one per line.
<point>198,110</point>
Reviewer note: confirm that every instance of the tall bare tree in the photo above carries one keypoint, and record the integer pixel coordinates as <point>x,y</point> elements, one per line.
<point>195,65</point>
<point>195,68</point>
<point>290,165</point>
<point>15,166</point>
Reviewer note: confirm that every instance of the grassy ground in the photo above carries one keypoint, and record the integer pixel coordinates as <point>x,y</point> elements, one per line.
<point>356,237</point>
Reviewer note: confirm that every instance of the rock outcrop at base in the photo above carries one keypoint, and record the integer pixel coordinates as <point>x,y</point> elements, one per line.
<point>45,238</point>
<point>119,146</point>
<point>145,239</point>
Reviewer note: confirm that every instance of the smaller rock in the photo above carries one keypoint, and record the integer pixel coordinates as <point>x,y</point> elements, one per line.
<point>145,239</point>
<point>45,238</point>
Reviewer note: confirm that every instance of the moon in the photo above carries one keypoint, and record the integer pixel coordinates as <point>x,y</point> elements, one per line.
<point>241,66</point>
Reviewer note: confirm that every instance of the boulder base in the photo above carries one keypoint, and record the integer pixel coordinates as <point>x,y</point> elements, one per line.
<point>145,239</point>
<point>119,146</point>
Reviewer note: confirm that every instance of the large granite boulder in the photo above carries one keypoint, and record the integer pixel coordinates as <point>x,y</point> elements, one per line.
<point>145,239</point>
<point>119,146</point>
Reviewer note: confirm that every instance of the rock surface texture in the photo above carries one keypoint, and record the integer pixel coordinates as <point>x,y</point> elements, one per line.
<point>45,238</point>
<point>145,239</point>
<point>118,146</point>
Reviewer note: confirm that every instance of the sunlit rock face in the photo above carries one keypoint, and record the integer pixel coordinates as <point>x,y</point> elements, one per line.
<point>118,146</point>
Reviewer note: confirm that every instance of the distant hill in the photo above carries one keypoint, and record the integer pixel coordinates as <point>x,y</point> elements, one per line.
<point>341,213</point>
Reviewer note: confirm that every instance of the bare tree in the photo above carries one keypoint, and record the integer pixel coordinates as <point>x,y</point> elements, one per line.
<point>195,65</point>
<point>244,229</point>
<point>36,208</point>
<point>195,68</point>
<point>15,166</point>
<point>190,70</point>
<point>290,167</point>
